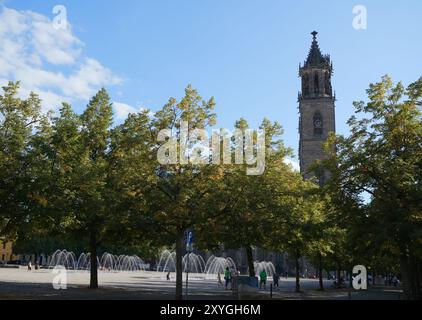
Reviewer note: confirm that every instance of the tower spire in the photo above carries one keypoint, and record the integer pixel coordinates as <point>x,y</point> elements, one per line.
<point>315,57</point>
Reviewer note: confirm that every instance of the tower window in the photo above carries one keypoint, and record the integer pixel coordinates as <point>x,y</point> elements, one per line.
<point>316,84</point>
<point>306,85</point>
<point>327,84</point>
<point>318,124</point>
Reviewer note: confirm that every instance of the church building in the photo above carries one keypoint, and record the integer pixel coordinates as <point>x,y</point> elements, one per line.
<point>316,108</point>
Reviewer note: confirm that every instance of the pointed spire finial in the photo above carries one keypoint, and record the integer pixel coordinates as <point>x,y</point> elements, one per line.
<point>314,34</point>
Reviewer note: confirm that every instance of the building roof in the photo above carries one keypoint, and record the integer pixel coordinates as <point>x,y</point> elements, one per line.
<point>315,57</point>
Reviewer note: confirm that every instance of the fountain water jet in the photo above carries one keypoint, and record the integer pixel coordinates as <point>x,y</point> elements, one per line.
<point>107,262</point>
<point>63,258</point>
<point>217,265</point>
<point>167,262</point>
<point>264,265</point>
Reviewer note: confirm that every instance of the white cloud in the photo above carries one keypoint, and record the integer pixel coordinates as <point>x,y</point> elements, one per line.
<point>295,165</point>
<point>56,46</point>
<point>122,110</point>
<point>47,60</point>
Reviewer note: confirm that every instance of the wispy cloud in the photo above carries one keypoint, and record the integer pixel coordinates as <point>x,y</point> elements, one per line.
<point>122,110</point>
<point>48,60</point>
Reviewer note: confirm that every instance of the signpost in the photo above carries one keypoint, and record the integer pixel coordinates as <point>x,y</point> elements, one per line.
<point>189,249</point>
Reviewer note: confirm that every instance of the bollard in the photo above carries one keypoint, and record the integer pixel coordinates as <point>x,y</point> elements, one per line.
<point>271,291</point>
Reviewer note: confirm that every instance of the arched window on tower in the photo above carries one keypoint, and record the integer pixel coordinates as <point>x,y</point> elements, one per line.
<point>306,85</point>
<point>318,124</point>
<point>327,84</point>
<point>316,83</point>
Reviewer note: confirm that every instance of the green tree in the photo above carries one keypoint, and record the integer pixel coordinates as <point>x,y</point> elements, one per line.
<point>177,202</point>
<point>323,233</point>
<point>300,224</point>
<point>382,157</point>
<point>20,121</point>
<point>249,199</point>
<point>80,174</point>
<point>132,178</point>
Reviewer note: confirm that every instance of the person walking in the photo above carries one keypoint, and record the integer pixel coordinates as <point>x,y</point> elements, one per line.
<point>395,281</point>
<point>263,279</point>
<point>228,277</point>
<point>276,278</point>
<point>168,276</point>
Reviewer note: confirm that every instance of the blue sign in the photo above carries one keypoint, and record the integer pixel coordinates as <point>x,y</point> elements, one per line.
<point>189,242</point>
<point>190,237</point>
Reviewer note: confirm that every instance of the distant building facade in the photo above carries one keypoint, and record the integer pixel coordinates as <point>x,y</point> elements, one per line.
<point>8,256</point>
<point>6,252</point>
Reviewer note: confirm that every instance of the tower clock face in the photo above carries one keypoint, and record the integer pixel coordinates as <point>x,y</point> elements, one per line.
<point>318,123</point>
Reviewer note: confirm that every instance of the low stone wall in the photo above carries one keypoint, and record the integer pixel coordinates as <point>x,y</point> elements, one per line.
<point>8,266</point>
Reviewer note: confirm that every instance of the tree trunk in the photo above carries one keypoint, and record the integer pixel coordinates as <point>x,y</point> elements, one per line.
<point>321,280</point>
<point>249,257</point>
<point>179,267</point>
<point>419,278</point>
<point>411,277</point>
<point>338,273</point>
<point>94,262</point>
<point>297,257</point>
<point>374,276</point>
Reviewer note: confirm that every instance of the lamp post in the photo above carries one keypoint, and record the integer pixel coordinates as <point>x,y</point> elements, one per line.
<point>189,249</point>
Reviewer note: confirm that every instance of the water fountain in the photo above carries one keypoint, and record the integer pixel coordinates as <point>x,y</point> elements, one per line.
<point>129,263</point>
<point>217,265</point>
<point>84,262</point>
<point>167,262</point>
<point>264,265</point>
<point>63,258</point>
<point>107,262</point>
<point>196,263</point>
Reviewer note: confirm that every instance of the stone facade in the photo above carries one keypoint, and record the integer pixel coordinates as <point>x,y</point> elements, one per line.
<point>317,110</point>
<point>6,252</point>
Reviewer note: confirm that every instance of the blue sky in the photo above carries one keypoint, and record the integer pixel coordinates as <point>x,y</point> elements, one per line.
<point>244,53</point>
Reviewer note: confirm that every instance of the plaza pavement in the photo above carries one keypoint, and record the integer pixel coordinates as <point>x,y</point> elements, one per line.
<point>24,284</point>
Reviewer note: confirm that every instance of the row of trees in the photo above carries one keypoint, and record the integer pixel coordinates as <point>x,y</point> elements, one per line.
<point>81,179</point>
<point>382,158</point>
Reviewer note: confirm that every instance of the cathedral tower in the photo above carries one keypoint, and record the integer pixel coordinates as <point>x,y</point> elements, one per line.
<point>316,108</point>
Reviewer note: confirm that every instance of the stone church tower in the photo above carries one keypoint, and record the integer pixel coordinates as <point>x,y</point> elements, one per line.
<point>316,108</point>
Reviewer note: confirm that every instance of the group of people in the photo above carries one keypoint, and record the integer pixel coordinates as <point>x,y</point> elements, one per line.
<point>228,278</point>
<point>263,277</point>
<point>391,280</point>
<point>230,273</point>
<point>263,280</point>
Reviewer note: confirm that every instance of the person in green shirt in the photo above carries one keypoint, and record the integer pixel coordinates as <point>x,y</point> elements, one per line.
<point>227,277</point>
<point>263,279</point>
